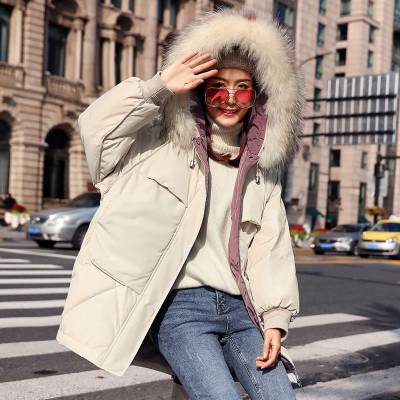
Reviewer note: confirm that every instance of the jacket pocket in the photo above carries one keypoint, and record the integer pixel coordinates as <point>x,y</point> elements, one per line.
<point>143,212</point>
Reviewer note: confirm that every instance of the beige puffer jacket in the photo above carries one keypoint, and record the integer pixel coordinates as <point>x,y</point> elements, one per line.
<point>146,154</point>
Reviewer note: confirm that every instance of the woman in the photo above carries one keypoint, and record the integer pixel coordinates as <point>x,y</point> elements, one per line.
<point>190,246</point>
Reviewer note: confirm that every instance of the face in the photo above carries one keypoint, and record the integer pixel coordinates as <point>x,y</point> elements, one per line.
<point>229,113</point>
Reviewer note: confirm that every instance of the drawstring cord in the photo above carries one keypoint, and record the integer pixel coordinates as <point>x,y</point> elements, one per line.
<point>193,160</point>
<point>258,174</point>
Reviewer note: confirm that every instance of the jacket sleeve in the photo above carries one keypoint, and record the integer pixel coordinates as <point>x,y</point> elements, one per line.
<point>271,267</point>
<point>108,127</point>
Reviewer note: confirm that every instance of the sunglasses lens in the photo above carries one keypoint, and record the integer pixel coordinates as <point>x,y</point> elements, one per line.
<point>216,96</point>
<point>245,98</point>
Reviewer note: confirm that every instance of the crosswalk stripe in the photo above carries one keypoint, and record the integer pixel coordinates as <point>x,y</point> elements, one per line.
<point>13,281</point>
<point>77,383</point>
<point>316,350</point>
<point>356,387</point>
<point>37,253</point>
<point>344,345</point>
<point>13,260</point>
<point>18,305</point>
<point>34,348</point>
<point>22,291</point>
<point>30,272</point>
<point>48,321</point>
<point>29,266</point>
<point>325,319</point>
<point>24,322</point>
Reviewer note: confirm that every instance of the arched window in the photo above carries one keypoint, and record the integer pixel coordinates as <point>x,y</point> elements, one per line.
<point>55,174</point>
<point>4,156</point>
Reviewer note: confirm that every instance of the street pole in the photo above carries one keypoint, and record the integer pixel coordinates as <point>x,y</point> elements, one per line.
<point>378,176</point>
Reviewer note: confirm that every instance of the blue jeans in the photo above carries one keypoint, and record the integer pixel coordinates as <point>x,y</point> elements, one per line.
<point>209,340</point>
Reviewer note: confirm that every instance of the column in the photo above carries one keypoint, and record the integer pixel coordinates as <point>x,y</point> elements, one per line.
<point>129,56</point>
<point>150,47</point>
<point>16,22</point>
<point>90,64</point>
<point>111,62</point>
<point>78,32</point>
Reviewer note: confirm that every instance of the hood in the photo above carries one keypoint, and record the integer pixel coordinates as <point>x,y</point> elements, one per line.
<point>63,211</point>
<point>380,236</point>
<point>271,49</point>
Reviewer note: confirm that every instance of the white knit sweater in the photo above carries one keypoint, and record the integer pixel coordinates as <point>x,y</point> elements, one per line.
<point>207,263</point>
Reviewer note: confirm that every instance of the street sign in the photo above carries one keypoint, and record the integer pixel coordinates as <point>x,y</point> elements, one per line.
<point>362,109</point>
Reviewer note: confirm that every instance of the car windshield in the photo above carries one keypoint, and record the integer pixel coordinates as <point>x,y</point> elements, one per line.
<point>85,200</point>
<point>347,228</point>
<point>387,227</point>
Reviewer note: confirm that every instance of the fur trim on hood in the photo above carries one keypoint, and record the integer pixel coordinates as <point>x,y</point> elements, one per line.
<point>272,51</point>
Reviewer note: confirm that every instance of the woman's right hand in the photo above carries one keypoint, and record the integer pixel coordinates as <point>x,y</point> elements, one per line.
<point>186,74</point>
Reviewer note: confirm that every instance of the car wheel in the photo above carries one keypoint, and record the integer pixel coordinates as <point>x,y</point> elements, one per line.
<point>78,237</point>
<point>45,244</point>
<point>319,252</point>
<point>364,255</point>
<point>354,250</point>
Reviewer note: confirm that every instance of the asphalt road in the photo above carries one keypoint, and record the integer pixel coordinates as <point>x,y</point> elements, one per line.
<point>345,343</point>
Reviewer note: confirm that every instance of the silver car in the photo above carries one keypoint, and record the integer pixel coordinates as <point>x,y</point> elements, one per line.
<point>67,223</point>
<point>342,238</point>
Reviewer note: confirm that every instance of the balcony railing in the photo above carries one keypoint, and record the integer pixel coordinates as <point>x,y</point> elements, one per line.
<point>64,88</point>
<point>11,75</point>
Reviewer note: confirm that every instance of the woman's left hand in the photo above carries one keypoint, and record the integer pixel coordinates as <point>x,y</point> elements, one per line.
<point>271,349</point>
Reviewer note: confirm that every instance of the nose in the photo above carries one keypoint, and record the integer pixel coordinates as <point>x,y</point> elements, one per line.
<point>231,98</point>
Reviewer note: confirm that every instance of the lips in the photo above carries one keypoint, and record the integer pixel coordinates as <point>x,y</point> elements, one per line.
<point>228,113</point>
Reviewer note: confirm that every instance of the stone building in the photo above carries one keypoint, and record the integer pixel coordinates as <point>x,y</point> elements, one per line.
<point>57,56</point>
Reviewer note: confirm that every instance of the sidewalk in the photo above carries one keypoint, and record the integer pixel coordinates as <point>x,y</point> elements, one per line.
<point>9,234</point>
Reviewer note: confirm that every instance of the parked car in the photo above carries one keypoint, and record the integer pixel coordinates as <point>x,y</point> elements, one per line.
<point>382,239</point>
<point>67,223</point>
<point>342,238</point>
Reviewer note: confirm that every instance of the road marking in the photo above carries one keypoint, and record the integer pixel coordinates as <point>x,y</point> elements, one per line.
<point>24,349</point>
<point>325,319</point>
<point>77,383</point>
<point>37,253</point>
<point>35,281</point>
<point>24,322</point>
<point>19,291</point>
<point>344,345</point>
<point>18,305</point>
<point>356,387</point>
<point>13,260</point>
<point>30,272</point>
<point>29,266</point>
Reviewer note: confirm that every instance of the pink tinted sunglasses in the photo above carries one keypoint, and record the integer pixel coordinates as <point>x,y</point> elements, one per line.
<point>244,98</point>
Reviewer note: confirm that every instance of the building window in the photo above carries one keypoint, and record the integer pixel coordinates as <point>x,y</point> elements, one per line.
<point>364,160</point>
<point>370,8</point>
<point>321,35</point>
<point>56,45</point>
<point>285,15</point>
<point>334,158</point>
<point>131,5</point>
<point>371,35</point>
<point>316,131</point>
<point>339,74</point>
<point>313,178</point>
<point>118,62</point>
<point>340,56</point>
<point>319,67</point>
<point>370,61</point>
<point>362,201</point>
<point>160,11</point>
<point>322,7</point>
<point>345,7</point>
<point>341,32</point>
<point>116,3</point>
<point>5,13</point>
<point>173,13</point>
<point>4,156</point>
<point>317,99</point>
